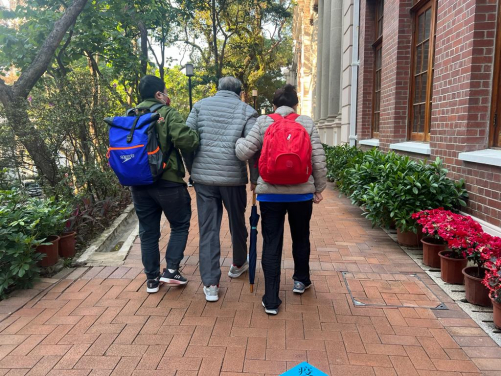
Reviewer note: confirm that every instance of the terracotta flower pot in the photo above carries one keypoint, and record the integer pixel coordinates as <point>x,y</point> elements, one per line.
<point>452,268</point>
<point>476,292</point>
<point>393,225</point>
<point>67,245</point>
<point>51,251</point>
<point>407,238</point>
<point>431,248</point>
<point>496,313</point>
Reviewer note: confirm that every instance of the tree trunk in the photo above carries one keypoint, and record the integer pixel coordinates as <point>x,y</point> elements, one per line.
<point>13,97</point>
<point>30,138</point>
<point>214,36</point>
<point>144,47</point>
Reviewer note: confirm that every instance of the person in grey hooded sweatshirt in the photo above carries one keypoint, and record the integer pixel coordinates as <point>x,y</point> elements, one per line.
<point>220,178</point>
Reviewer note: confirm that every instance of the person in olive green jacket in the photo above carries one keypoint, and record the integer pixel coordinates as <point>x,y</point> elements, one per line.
<point>168,195</point>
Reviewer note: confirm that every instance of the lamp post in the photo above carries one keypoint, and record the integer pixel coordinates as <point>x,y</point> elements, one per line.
<point>254,95</point>
<point>190,73</point>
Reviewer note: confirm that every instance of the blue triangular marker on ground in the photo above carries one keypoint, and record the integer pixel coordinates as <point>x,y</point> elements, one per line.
<point>304,369</point>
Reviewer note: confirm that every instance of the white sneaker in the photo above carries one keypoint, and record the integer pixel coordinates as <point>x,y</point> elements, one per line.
<point>211,293</point>
<point>236,271</point>
<point>270,311</point>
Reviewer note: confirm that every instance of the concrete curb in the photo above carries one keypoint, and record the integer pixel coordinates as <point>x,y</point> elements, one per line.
<point>109,235</point>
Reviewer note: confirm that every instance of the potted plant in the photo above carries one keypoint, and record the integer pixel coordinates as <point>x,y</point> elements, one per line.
<point>484,247</point>
<point>50,218</point>
<point>67,238</point>
<point>492,281</point>
<point>431,221</point>
<point>424,186</point>
<point>460,233</point>
<point>402,192</point>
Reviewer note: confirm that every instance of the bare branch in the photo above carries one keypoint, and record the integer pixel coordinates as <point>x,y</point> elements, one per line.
<point>153,52</point>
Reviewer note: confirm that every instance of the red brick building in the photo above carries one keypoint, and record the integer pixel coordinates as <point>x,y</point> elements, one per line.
<point>429,86</point>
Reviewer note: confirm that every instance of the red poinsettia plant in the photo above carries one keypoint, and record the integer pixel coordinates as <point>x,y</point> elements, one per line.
<point>492,279</point>
<point>483,248</point>
<point>461,233</point>
<point>431,221</point>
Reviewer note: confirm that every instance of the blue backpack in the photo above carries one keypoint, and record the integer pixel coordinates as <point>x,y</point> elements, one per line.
<point>134,153</point>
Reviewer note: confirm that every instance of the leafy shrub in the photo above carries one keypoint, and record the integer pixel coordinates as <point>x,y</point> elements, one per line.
<point>427,187</point>
<point>338,159</point>
<point>17,243</point>
<point>392,187</point>
<point>24,224</point>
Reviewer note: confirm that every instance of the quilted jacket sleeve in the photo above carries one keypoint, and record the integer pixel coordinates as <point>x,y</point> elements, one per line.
<point>192,123</point>
<point>318,161</point>
<point>247,147</point>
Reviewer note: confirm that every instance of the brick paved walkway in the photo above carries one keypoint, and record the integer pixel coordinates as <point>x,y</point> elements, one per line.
<point>100,321</point>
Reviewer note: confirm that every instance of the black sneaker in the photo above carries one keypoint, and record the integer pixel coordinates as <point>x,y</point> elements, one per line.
<point>173,278</point>
<point>152,286</point>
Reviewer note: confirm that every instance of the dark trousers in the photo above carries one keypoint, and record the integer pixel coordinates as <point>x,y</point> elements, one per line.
<point>175,202</point>
<point>272,223</point>
<point>210,200</point>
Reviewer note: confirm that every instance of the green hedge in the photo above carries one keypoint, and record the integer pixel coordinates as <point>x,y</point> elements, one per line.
<point>392,187</point>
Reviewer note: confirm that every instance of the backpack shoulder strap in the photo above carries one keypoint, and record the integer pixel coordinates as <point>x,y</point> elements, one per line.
<point>156,107</point>
<point>145,110</point>
<point>292,116</point>
<point>275,117</point>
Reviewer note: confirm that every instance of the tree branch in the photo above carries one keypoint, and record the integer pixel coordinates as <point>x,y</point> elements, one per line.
<point>60,54</point>
<point>5,93</point>
<point>30,76</point>
<point>153,53</point>
<point>93,62</point>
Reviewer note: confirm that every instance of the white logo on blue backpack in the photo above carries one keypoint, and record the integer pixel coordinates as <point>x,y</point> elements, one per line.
<point>126,157</point>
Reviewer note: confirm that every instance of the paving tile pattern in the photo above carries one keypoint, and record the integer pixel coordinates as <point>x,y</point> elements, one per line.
<point>395,290</point>
<point>100,321</point>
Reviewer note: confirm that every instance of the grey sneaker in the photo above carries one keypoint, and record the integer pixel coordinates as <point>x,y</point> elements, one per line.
<point>236,271</point>
<point>211,293</point>
<point>270,311</point>
<point>300,287</point>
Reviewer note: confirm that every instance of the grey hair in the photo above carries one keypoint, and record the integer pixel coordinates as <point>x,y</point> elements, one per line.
<point>230,83</point>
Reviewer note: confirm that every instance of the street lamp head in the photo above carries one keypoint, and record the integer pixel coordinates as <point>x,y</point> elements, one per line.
<point>189,70</point>
<point>254,93</point>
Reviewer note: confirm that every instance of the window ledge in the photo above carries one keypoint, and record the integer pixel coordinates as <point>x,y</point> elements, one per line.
<point>487,156</point>
<point>370,142</point>
<point>412,147</point>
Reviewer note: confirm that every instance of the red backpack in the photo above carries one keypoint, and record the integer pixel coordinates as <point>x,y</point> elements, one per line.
<point>286,154</point>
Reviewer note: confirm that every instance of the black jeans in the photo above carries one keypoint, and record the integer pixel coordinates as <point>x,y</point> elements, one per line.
<point>272,224</point>
<point>175,202</point>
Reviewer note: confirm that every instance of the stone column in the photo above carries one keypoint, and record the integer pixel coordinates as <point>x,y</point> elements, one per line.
<point>318,78</point>
<point>326,60</point>
<point>336,16</point>
<point>336,56</point>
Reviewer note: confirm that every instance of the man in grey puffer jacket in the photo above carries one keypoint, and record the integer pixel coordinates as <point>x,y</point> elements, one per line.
<point>220,178</point>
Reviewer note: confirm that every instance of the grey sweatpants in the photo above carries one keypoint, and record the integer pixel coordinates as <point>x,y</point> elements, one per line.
<point>210,200</point>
